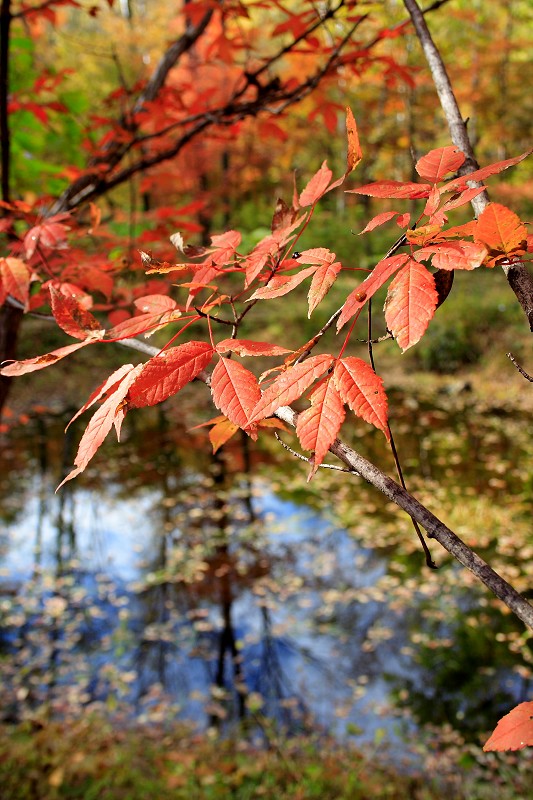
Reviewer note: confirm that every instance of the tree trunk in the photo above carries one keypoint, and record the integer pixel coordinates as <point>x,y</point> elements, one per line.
<point>10,319</point>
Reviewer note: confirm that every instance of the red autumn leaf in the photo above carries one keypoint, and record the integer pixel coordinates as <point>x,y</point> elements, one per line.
<point>410,304</point>
<point>362,390</point>
<point>222,432</point>
<point>40,362</point>
<point>501,229</point>
<point>235,391</point>
<point>114,379</point>
<point>134,326</point>
<point>514,731</point>
<point>378,220</point>
<point>290,385</point>
<point>168,372</point>
<point>481,174</point>
<point>224,246</point>
<point>462,198</point>
<point>71,316</point>
<point>379,275</point>
<point>246,347</point>
<point>432,202</point>
<point>355,154</point>
<point>51,234</point>
<point>316,186</point>
<point>282,284</point>
<point>394,189</point>
<point>403,220</point>
<point>423,235</point>
<point>316,255</point>
<point>155,303</point>
<point>15,279</point>
<point>317,427</point>
<point>453,255</point>
<point>323,279</point>
<point>438,163</point>
<point>99,425</point>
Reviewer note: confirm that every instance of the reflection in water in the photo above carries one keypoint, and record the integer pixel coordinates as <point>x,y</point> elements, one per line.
<point>189,588</point>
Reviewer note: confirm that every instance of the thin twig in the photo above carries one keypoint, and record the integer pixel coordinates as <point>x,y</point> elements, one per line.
<point>518,277</point>
<point>519,368</point>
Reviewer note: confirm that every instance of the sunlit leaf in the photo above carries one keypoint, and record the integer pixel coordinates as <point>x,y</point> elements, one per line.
<point>247,347</point>
<point>168,372</point>
<point>317,427</point>
<point>501,229</point>
<point>290,385</point>
<point>394,189</point>
<point>514,731</point>
<point>438,163</point>
<point>410,304</point>
<point>71,316</point>
<point>379,275</point>
<point>362,390</point>
<point>235,391</point>
<point>316,186</point>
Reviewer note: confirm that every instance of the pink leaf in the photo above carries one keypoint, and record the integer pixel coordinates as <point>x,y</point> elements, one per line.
<point>410,304</point>
<point>362,390</point>
<point>290,385</point>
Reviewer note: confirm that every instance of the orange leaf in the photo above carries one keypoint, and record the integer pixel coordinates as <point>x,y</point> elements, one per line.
<point>501,229</point>
<point>480,174</point>
<point>355,154</point>
<point>362,390</point>
<point>100,424</point>
<point>168,372</point>
<point>71,316</point>
<point>317,427</point>
<point>410,304</point>
<point>222,432</point>
<point>290,385</point>
<point>316,186</point>
<point>381,273</point>
<point>155,303</point>
<point>15,279</point>
<point>246,347</point>
<point>323,279</point>
<point>453,255</point>
<point>398,189</point>
<point>378,220</point>
<point>40,362</point>
<point>282,284</point>
<point>235,391</point>
<point>514,731</point>
<point>115,378</point>
<point>438,163</point>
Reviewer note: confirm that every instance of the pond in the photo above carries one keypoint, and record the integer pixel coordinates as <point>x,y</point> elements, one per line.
<point>169,583</point>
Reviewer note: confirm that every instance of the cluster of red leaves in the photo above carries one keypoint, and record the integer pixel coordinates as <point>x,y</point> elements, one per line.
<point>272,269</point>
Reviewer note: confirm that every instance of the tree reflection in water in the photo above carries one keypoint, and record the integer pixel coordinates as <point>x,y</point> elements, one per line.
<point>187,588</point>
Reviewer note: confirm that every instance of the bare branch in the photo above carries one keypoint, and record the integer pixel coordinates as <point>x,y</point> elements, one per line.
<point>520,369</point>
<point>518,277</point>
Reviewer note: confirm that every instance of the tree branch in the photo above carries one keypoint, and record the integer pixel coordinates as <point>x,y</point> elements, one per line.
<point>403,499</point>
<point>518,277</point>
